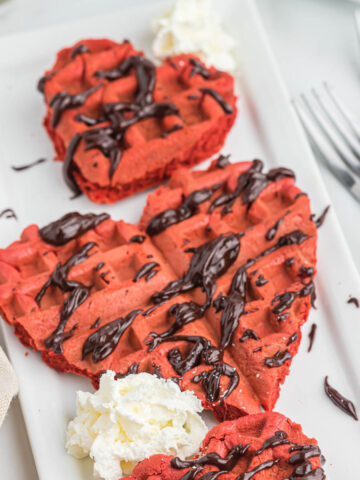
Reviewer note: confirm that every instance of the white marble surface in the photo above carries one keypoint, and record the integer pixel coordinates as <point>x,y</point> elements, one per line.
<point>314,40</point>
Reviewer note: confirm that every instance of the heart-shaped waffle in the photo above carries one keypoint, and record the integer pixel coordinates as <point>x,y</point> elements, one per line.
<point>211,292</point>
<point>265,445</point>
<point>122,125</point>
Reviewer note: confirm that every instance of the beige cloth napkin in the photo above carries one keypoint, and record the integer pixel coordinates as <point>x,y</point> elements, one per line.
<point>8,384</point>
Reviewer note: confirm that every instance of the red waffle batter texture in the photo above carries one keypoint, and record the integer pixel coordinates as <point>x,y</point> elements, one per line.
<point>122,125</point>
<point>211,292</point>
<point>265,445</point>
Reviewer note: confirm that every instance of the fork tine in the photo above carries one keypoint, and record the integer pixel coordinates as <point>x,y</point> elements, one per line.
<point>324,150</point>
<point>348,117</point>
<point>337,121</point>
<point>343,151</point>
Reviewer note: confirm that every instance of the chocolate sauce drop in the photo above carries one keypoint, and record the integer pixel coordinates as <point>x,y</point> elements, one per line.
<point>103,342</point>
<point>292,339</point>
<point>261,281</point>
<point>137,239</point>
<point>70,226</point>
<point>312,336</point>
<point>222,161</point>
<point>280,357</point>
<point>355,301</point>
<point>290,261</point>
<point>29,165</point>
<point>78,50</point>
<point>340,401</point>
<point>146,269</point>
<point>96,323</point>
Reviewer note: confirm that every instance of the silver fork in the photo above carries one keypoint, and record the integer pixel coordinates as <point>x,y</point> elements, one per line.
<point>334,134</point>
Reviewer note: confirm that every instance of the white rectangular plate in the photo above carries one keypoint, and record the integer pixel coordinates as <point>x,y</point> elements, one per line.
<point>266,128</point>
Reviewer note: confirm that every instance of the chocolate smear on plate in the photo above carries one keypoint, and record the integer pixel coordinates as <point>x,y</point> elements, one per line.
<point>312,336</point>
<point>20,168</point>
<point>339,400</point>
<point>355,301</point>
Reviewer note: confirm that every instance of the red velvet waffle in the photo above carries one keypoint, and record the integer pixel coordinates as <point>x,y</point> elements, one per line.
<point>223,280</point>
<point>265,445</point>
<point>122,125</point>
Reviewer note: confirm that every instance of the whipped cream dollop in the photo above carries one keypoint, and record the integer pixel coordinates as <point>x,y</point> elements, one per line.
<point>129,419</point>
<point>192,26</point>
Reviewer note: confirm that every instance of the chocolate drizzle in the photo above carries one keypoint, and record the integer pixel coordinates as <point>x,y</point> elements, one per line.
<point>261,281</point>
<point>210,380</point>
<point>339,400</point>
<point>228,109</point>
<point>29,165</point>
<point>132,370</point>
<point>303,467</point>
<point>203,350</point>
<point>198,69</point>
<point>147,269</point>
<point>96,323</point>
<point>64,101</point>
<point>233,306</point>
<point>292,339</point>
<point>78,293</point>
<point>70,226</point>
<point>320,220</point>
<point>290,261</point>
<point>257,469</point>
<point>104,341</point>
<point>209,262</point>
<point>187,209</point>
<point>249,334</point>
<point>270,234</point>
<point>8,213</point>
<point>223,464</point>
<point>120,116</point>
<point>249,186</point>
<point>222,161</point>
<point>78,50</point>
<point>312,336</point>
<point>137,239</point>
<point>43,80</point>
<point>280,357</point>
<point>286,299</point>
<point>280,438</point>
